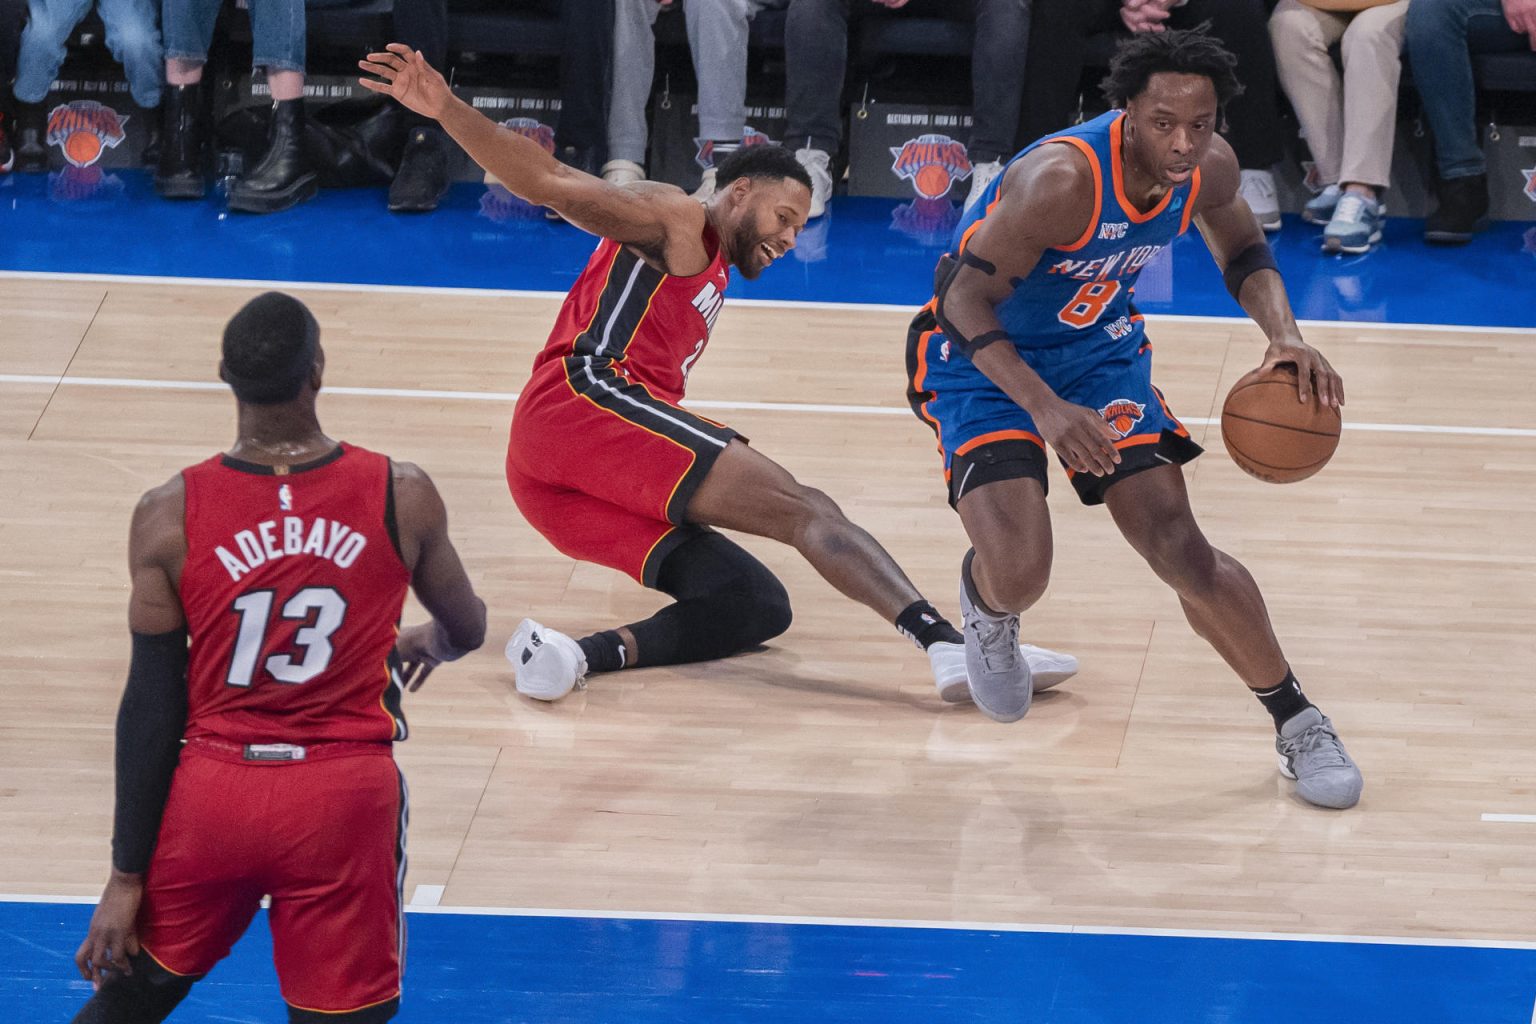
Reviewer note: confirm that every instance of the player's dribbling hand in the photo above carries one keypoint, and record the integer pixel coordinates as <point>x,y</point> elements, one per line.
<point>418,650</point>
<point>405,74</point>
<point>1080,436</point>
<point>1312,371</point>
<point>112,937</point>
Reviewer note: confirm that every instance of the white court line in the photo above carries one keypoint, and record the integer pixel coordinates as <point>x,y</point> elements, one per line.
<point>1525,818</point>
<point>875,922</point>
<point>513,293</point>
<point>796,407</point>
<point>427,896</point>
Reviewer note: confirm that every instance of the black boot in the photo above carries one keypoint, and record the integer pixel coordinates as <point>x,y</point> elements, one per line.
<point>179,171</point>
<point>1463,210</point>
<point>31,138</point>
<point>150,157</point>
<point>283,178</point>
<point>422,179</point>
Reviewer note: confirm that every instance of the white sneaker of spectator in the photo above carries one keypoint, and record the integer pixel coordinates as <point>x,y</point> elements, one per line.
<point>818,164</point>
<point>982,175</point>
<point>622,172</point>
<point>706,185</point>
<point>1258,188</point>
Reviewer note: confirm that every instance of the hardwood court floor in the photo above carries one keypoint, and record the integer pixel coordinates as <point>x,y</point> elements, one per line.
<point>823,776</point>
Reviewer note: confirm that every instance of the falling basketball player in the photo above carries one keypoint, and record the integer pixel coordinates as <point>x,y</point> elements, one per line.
<point>605,463</point>
<point>1032,340</point>
<point>259,760</point>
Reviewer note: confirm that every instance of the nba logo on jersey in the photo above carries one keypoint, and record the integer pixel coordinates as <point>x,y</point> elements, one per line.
<point>1122,415</point>
<point>285,498</point>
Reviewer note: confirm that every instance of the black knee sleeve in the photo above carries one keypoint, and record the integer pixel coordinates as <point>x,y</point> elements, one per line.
<point>147,996</point>
<point>727,601</point>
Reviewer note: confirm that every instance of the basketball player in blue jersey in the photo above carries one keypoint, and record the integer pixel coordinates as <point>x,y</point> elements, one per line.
<point>1032,340</point>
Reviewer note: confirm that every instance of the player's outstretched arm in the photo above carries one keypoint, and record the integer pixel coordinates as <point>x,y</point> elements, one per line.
<point>437,577</point>
<point>1046,201</point>
<point>1237,243</point>
<point>646,216</point>
<point>150,721</point>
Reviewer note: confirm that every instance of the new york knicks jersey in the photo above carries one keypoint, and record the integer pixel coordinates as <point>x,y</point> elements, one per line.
<point>292,588</point>
<point>1074,308</point>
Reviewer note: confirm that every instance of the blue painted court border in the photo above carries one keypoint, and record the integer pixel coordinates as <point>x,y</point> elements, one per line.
<point>469,968</point>
<point>865,251</point>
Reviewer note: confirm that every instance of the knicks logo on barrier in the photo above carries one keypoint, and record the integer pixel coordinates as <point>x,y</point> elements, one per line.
<point>1122,415</point>
<point>929,221</point>
<point>84,130</point>
<point>932,163</point>
<point>705,157</point>
<point>532,128</point>
<point>1530,184</point>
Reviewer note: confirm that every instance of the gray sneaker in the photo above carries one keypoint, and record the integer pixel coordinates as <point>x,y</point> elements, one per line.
<point>1310,753</point>
<point>1319,209</point>
<point>999,674</point>
<point>1355,226</point>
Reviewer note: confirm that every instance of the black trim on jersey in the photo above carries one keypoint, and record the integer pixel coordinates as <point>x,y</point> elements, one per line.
<point>622,305</point>
<point>257,469</point>
<point>390,523</point>
<point>394,690</point>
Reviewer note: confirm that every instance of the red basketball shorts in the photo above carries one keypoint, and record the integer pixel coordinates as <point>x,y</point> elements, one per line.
<point>604,469</point>
<point>323,836</point>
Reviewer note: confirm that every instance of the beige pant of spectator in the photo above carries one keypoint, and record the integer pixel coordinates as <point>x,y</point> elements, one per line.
<point>1349,120</point>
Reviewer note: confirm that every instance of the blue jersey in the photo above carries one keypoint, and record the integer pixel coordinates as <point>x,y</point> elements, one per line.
<point>1074,308</point>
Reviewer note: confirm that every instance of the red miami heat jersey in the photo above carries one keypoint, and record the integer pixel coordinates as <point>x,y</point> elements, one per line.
<point>293,587</point>
<point>624,316</point>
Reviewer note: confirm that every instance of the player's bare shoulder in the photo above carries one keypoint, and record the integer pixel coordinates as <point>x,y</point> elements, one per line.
<point>1220,176</point>
<point>1051,193</point>
<point>157,537</point>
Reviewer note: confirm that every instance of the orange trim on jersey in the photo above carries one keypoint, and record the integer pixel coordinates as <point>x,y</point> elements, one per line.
<point>917,385</point>
<point>965,238</point>
<point>1098,191</point>
<point>1189,204</point>
<point>652,549</point>
<point>1178,428</point>
<point>1135,215</point>
<point>355,1009</point>
<point>1139,439</point>
<point>162,965</point>
<point>999,435</point>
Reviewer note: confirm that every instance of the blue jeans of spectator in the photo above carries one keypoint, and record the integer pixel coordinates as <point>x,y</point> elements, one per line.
<point>277,31</point>
<point>1441,36</point>
<point>133,36</point>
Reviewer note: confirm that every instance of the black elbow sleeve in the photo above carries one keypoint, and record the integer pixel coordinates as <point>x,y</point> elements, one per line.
<point>1251,260</point>
<point>150,722</point>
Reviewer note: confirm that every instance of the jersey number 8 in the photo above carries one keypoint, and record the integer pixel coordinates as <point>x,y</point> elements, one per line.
<point>1088,304</point>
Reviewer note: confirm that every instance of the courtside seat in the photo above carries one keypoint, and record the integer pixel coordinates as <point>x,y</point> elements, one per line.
<point>1505,72</point>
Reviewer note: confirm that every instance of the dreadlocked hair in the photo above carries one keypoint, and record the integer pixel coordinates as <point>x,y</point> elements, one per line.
<point>1187,52</point>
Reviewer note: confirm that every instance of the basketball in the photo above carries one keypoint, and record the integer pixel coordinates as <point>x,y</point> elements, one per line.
<point>1270,434</point>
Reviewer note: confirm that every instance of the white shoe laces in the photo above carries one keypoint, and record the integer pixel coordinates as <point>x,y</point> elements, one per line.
<point>1351,209</point>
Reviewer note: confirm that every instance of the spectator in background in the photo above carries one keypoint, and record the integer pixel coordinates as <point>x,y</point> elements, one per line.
<point>1058,49</point>
<point>133,35</point>
<point>1349,122</point>
<point>11,12</point>
<point>717,39</point>
<point>816,60</point>
<point>1441,37</point>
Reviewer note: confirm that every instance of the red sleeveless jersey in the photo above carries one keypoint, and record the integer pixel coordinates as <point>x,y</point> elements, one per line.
<point>623,315</point>
<point>292,588</point>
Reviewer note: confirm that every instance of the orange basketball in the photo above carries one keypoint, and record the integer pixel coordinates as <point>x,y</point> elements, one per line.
<point>82,148</point>
<point>1273,436</point>
<point>932,181</point>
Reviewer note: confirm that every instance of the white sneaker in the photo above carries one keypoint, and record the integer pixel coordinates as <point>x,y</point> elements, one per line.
<point>1258,188</point>
<point>1047,669</point>
<point>982,176</point>
<point>622,172</point>
<point>548,664</point>
<point>818,164</point>
<point>706,186</point>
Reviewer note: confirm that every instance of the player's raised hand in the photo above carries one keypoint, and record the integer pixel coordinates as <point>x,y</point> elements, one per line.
<point>112,937</point>
<point>1080,436</point>
<point>1313,372</point>
<point>405,74</point>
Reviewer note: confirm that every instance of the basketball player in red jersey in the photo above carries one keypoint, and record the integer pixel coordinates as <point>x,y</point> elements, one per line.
<point>605,463</point>
<point>258,761</point>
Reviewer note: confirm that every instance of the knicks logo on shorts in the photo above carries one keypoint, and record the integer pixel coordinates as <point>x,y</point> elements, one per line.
<point>1122,415</point>
<point>932,163</point>
<point>532,128</point>
<point>84,130</point>
<point>705,157</point>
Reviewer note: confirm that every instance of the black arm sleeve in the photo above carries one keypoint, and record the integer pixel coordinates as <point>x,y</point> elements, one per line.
<point>150,723</point>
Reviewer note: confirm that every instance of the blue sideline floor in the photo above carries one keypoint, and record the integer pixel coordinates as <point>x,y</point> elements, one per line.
<point>866,250</point>
<point>471,969</point>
